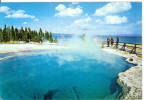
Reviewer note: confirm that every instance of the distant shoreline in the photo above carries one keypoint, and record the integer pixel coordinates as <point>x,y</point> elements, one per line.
<point>119,36</point>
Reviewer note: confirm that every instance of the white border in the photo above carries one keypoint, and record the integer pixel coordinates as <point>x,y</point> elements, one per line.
<point>69,0</point>
<point>143,28</point>
<point>143,49</point>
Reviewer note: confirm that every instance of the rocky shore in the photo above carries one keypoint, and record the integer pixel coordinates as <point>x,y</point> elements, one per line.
<point>131,79</point>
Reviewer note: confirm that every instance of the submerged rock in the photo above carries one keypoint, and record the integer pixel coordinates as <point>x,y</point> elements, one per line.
<point>49,95</point>
<point>76,93</point>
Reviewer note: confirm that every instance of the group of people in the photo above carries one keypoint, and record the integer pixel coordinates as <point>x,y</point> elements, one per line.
<point>110,41</point>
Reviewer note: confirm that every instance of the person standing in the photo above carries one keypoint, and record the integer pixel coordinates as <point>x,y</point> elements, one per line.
<point>112,41</point>
<point>117,42</point>
<point>102,46</point>
<point>108,41</point>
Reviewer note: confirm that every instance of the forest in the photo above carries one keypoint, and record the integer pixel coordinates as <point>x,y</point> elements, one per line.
<point>8,34</point>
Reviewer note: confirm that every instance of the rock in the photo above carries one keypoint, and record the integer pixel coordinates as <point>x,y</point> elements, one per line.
<point>131,59</point>
<point>49,95</point>
<point>131,83</point>
<point>131,79</point>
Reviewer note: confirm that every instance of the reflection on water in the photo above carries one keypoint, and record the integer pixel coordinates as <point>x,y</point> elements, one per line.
<point>61,76</point>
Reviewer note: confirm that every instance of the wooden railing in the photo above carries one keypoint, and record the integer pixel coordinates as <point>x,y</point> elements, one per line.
<point>129,47</point>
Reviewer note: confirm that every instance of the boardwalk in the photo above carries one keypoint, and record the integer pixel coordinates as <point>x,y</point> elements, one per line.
<point>128,47</point>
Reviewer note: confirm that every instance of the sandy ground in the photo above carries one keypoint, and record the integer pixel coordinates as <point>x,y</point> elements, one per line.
<point>7,48</point>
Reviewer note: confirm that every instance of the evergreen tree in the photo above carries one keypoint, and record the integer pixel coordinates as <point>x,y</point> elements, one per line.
<point>32,36</point>
<point>29,34</point>
<point>5,35</point>
<point>36,38</point>
<point>47,35</point>
<point>16,34</point>
<point>13,34</point>
<point>40,35</point>
<point>50,37</point>
<point>25,38</point>
<point>21,37</point>
<point>9,35</point>
<point>1,35</point>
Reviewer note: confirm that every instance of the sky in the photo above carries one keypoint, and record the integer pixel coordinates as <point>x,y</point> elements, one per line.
<point>94,18</point>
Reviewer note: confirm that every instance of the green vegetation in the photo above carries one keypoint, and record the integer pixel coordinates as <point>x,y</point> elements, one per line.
<point>13,35</point>
<point>83,37</point>
<point>55,41</point>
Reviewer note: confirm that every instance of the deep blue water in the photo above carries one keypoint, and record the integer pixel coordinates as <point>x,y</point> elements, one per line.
<point>127,39</point>
<point>64,75</point>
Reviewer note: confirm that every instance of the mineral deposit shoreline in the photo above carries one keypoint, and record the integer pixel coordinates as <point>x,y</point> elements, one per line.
<point>131,79</point>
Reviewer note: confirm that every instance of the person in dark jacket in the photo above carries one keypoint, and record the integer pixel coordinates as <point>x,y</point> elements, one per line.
<point>108,41</point>
<point>117,42</point>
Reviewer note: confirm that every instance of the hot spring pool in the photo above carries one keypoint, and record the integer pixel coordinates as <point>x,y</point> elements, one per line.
<point>63,75</point>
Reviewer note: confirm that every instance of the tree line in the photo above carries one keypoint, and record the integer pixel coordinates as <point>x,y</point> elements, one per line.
<point>25,34</point>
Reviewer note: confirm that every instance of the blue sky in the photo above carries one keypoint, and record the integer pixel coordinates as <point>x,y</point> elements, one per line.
<point>101,18</point>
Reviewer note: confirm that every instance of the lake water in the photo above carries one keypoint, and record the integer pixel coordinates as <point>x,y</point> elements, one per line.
<point>126,39</point>
<point>62,75</point>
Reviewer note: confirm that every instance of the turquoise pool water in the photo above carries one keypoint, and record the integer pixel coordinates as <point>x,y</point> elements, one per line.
<point>61,75</point>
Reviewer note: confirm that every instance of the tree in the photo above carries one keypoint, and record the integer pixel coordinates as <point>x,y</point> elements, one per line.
<point>1,35</point>
<point>40,35</point>
<point>36,37</point>
<point>50,37</point>
<point>27,35</point>
<point>25,38</point>
<point>47,35</point>
<point>21,34</point>
<point>9,35</point>
<point>32,36</point>
<point>5,35</point>
<point>12,34</point>
<point>55,41</point>
<point>83,37</point>
<point>16,34</point>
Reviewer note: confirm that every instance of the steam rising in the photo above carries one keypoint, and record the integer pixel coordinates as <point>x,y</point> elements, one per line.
<point>89,48</point>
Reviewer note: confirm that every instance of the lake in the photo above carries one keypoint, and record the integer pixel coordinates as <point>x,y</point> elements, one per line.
<point>61,75</point>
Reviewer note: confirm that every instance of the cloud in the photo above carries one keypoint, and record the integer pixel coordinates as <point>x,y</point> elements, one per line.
<point>10,13</point>
<point>100,21</point>
<point>74,3</point>
<point>24,22</point>
<point>112,20</point>
<point>112,8</point>
<point>139,22</point>
<point>19,14</point>
<point>115,19</point>
<point>4,9</point>
<point>67,58</point>
<point>80,25</point>
<point>81,21</point>
<point>63,11</point>
<point>60,7</point>
<point>36,19</point>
